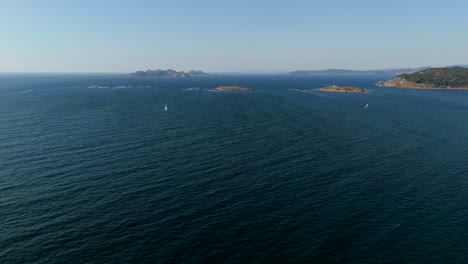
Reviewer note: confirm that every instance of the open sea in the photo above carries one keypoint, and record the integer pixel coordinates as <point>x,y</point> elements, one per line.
<point>275,175</point>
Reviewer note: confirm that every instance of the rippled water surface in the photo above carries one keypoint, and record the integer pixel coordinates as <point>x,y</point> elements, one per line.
<point>276,175</point>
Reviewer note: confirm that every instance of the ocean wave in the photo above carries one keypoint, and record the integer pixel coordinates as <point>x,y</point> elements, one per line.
<point>27,91</point>
<point>116,87</point>
<point>192,89</point>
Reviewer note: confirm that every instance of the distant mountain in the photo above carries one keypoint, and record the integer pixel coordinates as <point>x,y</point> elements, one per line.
<point>197,73</point>
<point>434,78</point>
<point>460,65</point>
<point>167,73</point>
<point>355,72</point>
<point>335,72</point>
<point>160,73</point>
<point>406,70</point>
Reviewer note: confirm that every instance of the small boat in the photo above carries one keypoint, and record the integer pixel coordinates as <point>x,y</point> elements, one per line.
<point>366,106</point>
<point>165,107</point>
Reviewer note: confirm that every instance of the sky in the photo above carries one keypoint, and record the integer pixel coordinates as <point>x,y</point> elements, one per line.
<point>230,36</point>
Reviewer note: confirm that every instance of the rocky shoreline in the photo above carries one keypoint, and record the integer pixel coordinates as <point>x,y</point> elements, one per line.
<point>451,78</point>
<point>399,82</point>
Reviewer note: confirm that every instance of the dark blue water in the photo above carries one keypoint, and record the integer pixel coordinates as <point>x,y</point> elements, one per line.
<point>270,176</point>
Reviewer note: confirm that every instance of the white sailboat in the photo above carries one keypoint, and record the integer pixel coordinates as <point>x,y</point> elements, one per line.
<point>165,107</point>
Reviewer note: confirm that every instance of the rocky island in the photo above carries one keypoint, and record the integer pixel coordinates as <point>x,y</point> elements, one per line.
<point>231,88</point>
<point>166,73</point>
<point>435,78</point>
<point>340,89</point>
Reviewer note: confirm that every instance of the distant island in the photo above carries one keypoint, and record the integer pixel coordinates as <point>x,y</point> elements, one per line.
<point>197,73</point>
<point>357,72</point>
<point>231,88</point>
<point>434,78</point>
<point>340,89</point>
<point>166,73</point>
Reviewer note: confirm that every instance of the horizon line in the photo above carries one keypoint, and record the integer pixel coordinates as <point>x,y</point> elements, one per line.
<point>229,72</point>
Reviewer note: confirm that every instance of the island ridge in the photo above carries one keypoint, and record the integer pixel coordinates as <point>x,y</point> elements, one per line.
<point>435,78</point>
<point>167,73</point>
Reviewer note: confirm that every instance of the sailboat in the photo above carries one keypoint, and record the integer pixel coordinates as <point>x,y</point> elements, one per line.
<point>165,107</point>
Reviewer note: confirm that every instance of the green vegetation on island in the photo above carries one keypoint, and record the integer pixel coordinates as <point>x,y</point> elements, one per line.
<point>340,89</point>
<point>435,78</point>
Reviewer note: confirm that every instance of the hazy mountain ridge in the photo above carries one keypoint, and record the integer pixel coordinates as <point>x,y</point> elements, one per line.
<point>358,72</point>
<point>197,72</point>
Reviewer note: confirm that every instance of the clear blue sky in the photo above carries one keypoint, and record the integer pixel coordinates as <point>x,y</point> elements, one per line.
<point>240,36</point>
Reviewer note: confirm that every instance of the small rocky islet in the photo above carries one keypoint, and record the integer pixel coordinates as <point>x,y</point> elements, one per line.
<point>231,88</point>
<point>339,89</point>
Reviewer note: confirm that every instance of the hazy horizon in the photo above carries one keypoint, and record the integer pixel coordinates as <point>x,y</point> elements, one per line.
<point>243,37</point>
<point>224,72</point>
